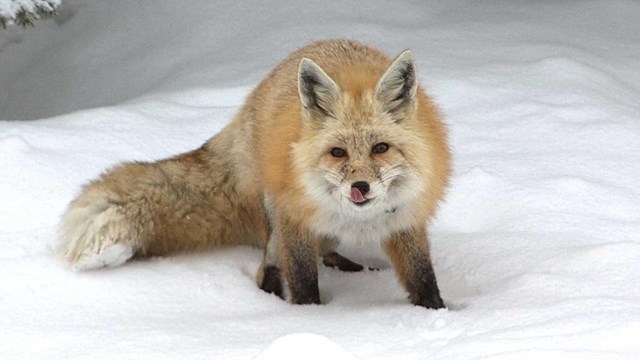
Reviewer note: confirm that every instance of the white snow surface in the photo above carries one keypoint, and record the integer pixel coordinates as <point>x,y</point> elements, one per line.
<point>536,249</point>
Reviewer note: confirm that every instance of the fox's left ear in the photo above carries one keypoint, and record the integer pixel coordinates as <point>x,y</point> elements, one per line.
<point>398,86</point>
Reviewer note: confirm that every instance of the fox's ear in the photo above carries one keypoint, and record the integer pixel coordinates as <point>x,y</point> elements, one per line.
<point>397,88</point>
<point>319,94</point>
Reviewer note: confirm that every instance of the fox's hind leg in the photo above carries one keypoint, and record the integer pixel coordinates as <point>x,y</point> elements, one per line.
<point>337,261</point>
<point>331,258</point>
<point>269,276</point>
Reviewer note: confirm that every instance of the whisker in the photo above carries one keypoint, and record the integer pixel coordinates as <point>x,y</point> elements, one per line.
<point>391,173</point>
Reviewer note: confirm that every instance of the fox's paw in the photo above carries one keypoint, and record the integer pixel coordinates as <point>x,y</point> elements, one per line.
<point>110,255</point>
<point>270,280</point>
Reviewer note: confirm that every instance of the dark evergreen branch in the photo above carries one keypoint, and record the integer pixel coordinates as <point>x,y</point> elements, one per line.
<point>25,17</point>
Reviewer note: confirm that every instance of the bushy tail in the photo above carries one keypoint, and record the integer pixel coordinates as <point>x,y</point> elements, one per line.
<point>186,203</point>
<point>94,233</point>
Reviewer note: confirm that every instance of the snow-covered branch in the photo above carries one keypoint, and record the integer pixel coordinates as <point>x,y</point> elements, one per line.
<point>25,12</point>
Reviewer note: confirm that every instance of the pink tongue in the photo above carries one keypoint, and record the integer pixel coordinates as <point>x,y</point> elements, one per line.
<point>356,195</point>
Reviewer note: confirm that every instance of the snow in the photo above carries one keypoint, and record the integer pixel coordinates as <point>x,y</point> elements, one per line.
<point>306,346</point>
<point>536,248</point>
<point>9,9</point>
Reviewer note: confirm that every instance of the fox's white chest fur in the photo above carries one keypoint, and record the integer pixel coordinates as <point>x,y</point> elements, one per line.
<point>351,228</point>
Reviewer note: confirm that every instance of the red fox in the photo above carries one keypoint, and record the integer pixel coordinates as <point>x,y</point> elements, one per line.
<point>338,143</point>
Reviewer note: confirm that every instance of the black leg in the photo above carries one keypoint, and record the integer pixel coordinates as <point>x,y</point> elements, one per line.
<point>303,279</point>
<point>299,263</point>
<point>423,287</point>
<point>337,261</point>
<point>272,281</point>
<point>409,252</point>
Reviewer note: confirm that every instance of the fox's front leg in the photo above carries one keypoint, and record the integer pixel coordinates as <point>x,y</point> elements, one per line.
<point>298,259</point>
<point>409,253</point>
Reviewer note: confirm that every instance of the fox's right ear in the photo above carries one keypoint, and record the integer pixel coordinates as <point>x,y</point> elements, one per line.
<point>319,94</point>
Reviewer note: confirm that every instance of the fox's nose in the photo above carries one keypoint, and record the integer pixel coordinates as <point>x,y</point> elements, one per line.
<point>362,186</point>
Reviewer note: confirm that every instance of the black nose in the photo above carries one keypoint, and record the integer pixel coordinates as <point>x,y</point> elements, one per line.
<point>362,186</point>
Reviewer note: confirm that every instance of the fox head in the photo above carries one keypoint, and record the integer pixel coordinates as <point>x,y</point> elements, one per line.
<point>360,153</point>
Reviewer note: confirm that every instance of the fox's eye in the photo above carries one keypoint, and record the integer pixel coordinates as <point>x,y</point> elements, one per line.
<point>337,152</point>
<point>380,148</point>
